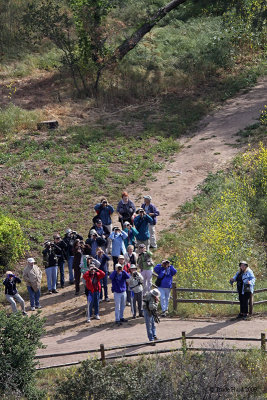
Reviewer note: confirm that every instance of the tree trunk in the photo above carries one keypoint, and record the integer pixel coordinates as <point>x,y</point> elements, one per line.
<point>131,42</point>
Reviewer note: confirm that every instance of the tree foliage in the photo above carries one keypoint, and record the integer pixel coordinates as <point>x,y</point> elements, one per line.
<point>19,340</point>
<point>12,241</point>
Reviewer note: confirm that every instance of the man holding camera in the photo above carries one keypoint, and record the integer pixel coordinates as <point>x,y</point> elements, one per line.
<point>69,239</point>
<point>141,222</point>
<point>153,212</point>
<point>104,212</point>
<point>150,303</point>
<point>50,263</point>
<point>61,253</point>
<point>135,285</point>
<point>118,278</point>
<point>92,280</point>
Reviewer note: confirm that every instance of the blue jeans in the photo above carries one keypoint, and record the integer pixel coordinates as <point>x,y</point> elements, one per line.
<point>61,270</point>
<point>34,296</point>
<point>51,276</point>
<point>150,325</point>
<point>104,285</point>
<point>70,263</point>
<point>92,303</point>
<point>165,294</point>
<point>120,300</point>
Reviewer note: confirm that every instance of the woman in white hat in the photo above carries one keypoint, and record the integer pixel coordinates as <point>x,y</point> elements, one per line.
<point>32,275</point>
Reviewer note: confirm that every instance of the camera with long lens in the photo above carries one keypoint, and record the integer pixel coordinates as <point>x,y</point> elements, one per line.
<point>135,274</point>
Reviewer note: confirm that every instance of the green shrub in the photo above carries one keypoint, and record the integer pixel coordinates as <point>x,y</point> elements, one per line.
<point>19,340</point>
<point>12,241</point>
<point>176,377</point>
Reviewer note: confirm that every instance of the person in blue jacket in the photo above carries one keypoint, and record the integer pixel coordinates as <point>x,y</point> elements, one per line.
<point>131,234</point>
<point>117,238</point>
<point>118,278</point>
<point>165,272</point>
<point>153,212</point>
<point>245,282</point>
<point>104,212</point>
<point>141,222</point>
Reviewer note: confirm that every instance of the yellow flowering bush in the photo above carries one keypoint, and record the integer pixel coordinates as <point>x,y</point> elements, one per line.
<point>226,229</point>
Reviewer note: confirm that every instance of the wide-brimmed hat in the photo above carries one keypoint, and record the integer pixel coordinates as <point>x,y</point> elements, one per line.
<point>243,262</point>
<point>155,292</point>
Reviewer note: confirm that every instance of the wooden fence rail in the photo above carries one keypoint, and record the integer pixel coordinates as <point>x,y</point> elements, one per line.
<point>103,358</point>
<point>252,303</point>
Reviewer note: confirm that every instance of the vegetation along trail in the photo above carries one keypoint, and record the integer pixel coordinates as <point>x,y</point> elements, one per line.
<point>210,149</point>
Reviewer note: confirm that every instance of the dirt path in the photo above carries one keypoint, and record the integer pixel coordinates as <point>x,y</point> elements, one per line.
<point>210,149</point>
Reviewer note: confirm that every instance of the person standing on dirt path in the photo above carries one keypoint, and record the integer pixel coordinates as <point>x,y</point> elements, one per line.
<point>153,212</point>
<point>125,209</point>
<point>142,222</point>
<point>11,292</point>
<point>135,284</point>
<point>245,281</point>
<point>51,266</point>
<point>165,272</point>
<point>150,305</point>
<point>117,238</point>
<point>103,259</point>
<point>92,280</point>
<point>145,263</point>
<point>69,239</point>
<point>77,263</point>
<point>131,234</point>
<point>32,275</point>
<point>61,252</point>
<point>118,279</point>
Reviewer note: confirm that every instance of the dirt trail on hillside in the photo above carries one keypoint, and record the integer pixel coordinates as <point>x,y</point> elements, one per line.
<point>210,149</point>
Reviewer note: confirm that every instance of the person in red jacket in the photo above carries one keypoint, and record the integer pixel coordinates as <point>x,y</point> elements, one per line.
<point>92,280</point>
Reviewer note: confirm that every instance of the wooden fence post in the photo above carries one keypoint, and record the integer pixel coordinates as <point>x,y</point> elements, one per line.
<point>250,304</point>
<point>263,342</point>
<point>102,352</point>
<point>184,342</point>
<point>174,298</point>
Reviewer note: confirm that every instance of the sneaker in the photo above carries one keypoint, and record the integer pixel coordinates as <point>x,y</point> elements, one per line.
<point>88,320</point>
<point>141,315</point>
<point>32,308</point>
<point>55,291</point>
<point>156,338</point>
<point>62,286</point>
<point>39,307</point>
<point>24,313</point>
<point>97,317</point>
<point>107,299</point>
<point>164,314</point>
<point>123,320</point>
<point>134,316</point>
<point>128,303</point>
<point>118,323</point>
<point>100,300</point>
<point>49,291</point>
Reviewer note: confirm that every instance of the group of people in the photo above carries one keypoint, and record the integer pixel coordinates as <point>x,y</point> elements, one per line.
<point>131,279</point>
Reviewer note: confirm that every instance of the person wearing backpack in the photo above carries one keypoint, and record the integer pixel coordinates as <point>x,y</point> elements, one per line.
<point>165,272</point>
<point>150,305</point>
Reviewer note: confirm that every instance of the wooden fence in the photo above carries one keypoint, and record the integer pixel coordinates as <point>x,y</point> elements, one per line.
<point>252,303</point>
<point>184,347</point>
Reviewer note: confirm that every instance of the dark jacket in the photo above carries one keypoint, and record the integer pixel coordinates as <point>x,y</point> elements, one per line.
<point>141,224</point>
<point>105,233</point>
<point>151,209</point>
<point>10,285</point>
<point>104,213</point>
<point>103,262</point>
<point>50,257</point>
<point>77,259</point>
<point>61,250</point>
<point>69,240</point>
<point>126,210</point>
